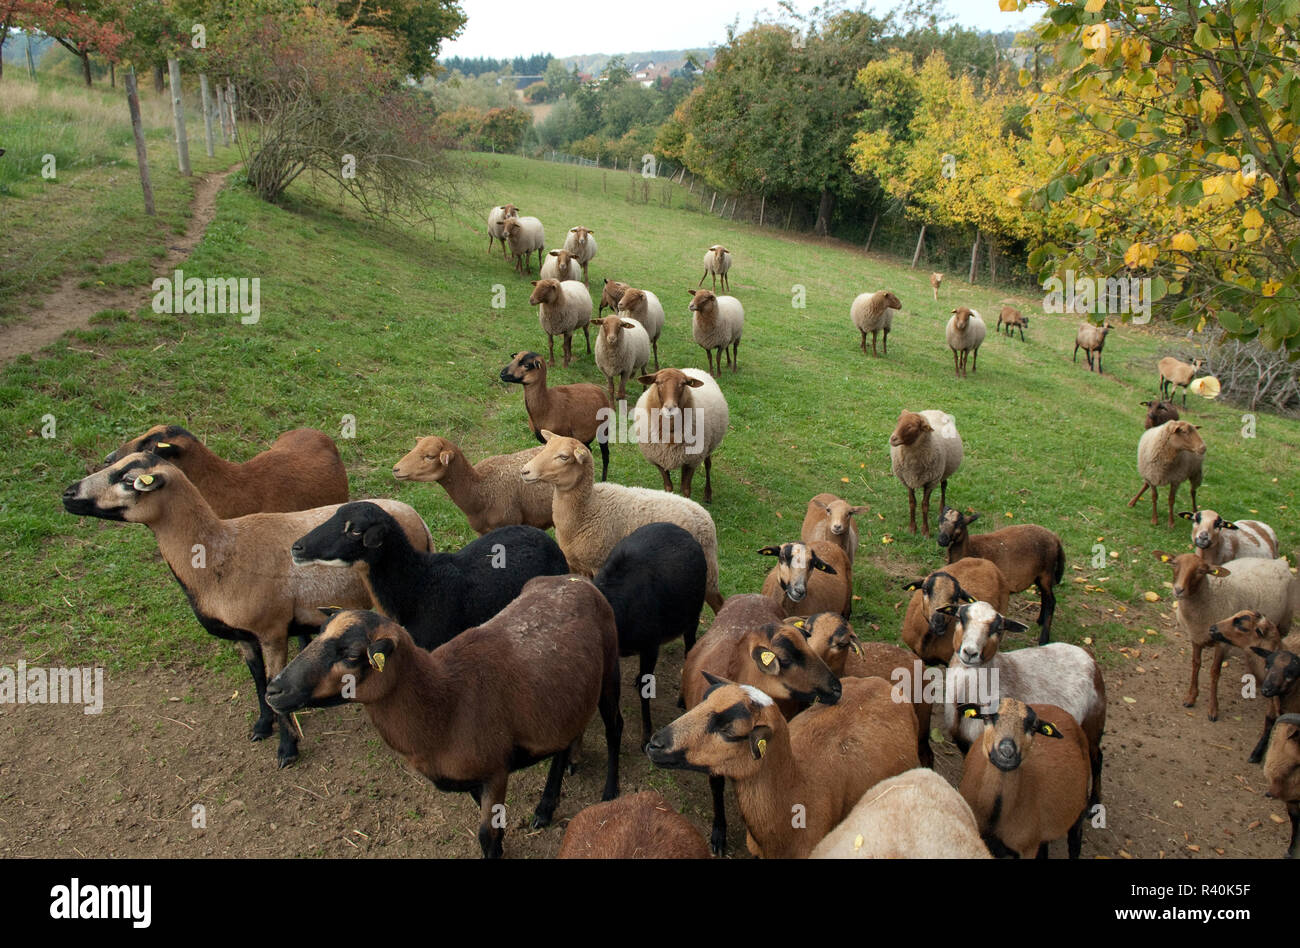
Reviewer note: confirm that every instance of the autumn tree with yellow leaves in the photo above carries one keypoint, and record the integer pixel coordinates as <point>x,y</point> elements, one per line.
<point>1172,130</point>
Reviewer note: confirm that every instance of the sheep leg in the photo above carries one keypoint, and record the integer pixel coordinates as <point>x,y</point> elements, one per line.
<point>551,340</point>
<point>1293,810</point>
<point>491,795</point>
<point>701,283</point>
<point>1042,848</point>
<point>1194,507</point>
<point>1155,514</point>
<point>1139,494</point>
<point>1195,688</point>
<point>1173,492</point>
<point>586,333</point>
<point>924,753</point>
<point>1074,839</point>
<point>911,510</point>
<point>884,342</point>
<point>1270,718</point>
<point>489,243</point>
<point>874,332</point>
<point>864,341</point>
<point>735,356</point>
<point>956,363</point>
<point>277,656</point>
<point>688,475</point>
<point>252,652</point>
<point>1095,796</point>
<point>1215,671</point>
<point>975,360</point>
<point>655,344</point>
<point>646,675</point>
<point>925,511</point>
<point>551,792</point>
<point>708,479</point>
<point>1046,610</point>
<point>604,460</point>
<point>1076,354</point>
<point>943,493</point>
<point>1099,372</point>
<point>1022,334</point>
<point>718,835</point>
<point>612,718</point>
<point>668,478</point>
<point>568,348</point>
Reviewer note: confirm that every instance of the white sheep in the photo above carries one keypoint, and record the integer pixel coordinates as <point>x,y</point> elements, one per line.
<point>622,351</point>
<point>1169,454</point>
<point>561,265</point>
<point>496,224</point>
<point>965,334</point>
<point>523,236</point>
<point>717,261</point>
<point>1205,594</point>
<point>590,518</point>
<point>916,815</point>
<point>872,313</point>
<point>1218,540</point>
<point>681,419</point>
<point>935,280</point>
<point>925,449</point>
<point>717,326</point>
<point>562,307</point>
<point>645,308</point>
<point>581,242</point>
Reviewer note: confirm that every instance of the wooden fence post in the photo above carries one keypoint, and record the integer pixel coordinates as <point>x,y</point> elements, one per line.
<point>919,241</point>
<point>178,116</point>
<point>141,154</point>
<point>871,235</point>
<point>974,255</point>
<point>208,139</point>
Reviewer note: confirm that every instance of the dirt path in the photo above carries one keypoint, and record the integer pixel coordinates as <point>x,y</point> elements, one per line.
<point>124,782</point>
<point>70,306</point>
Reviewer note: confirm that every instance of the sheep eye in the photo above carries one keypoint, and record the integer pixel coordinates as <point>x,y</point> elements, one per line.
<point>428,457</point>
<point>562,457</point>
<point>355,533</point>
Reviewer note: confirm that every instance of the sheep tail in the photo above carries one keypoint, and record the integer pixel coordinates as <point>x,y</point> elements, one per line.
<point>1060,563</point>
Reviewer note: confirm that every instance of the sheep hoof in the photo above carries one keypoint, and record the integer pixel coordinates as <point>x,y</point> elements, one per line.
<point>1189,702</point>
<point>540,821</point>
<point>718,843</point>
<point>285,760</point>
<point>1212,717</point>
<point>1255,757</point>
<point>261,731</point>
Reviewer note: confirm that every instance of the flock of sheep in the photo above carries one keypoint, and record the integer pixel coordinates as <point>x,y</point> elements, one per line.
<point>478,662</point>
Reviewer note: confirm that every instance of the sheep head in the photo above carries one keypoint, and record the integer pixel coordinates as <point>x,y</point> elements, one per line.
<point>1009,731</point>
<point>428,461</point>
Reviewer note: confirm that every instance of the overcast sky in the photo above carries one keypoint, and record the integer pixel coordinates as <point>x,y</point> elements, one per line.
<point>506,28</point>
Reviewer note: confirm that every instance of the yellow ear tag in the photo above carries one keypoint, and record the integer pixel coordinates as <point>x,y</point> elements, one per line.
<point>146,478</point>
<point>857,649</point>
<point>766,658</point>
<point>762,746</point>
<point>163,444</point>
<point>377,660</point>
<point>797,623</point>
<point>971,713</point>
<point>1048,730</point>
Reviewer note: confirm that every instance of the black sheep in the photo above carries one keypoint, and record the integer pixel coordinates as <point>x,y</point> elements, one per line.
<point>435,596</point>
<point>654,579</point>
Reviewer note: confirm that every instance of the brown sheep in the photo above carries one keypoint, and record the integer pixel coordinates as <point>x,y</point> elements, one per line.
<point>1282,770</point>
<point>300,470</point>
<point>1013,320</point>
<point>1269,659</point>
<point>610,294</point>
<point>830,518</point>
<point>499,697</point>
<point>935,280</point>
<point>1174,372</point>
<point>580,410</point>
<point>809,578</point>
<point>639,826</point>
<point>1027,554</point>
<point>926,630</point>
<point>1091,339</point>
<point>1026,791</point>
<point>795,782</point>
<point>1158,413</point>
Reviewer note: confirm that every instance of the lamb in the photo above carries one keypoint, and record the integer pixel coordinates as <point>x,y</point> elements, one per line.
<point>832,640</point>
<point>581,242</point>
<point>823,761</point>
<point>1027,554</point>
<point>926,630</point>
<point>1204,593</point>
<point>965,334</point>
<point>580,410</point>
<point>434,596</point>
<point>748,644</point>
<point>924,449</point>
<point>1060,674</point>
<point>1271,661</point>
<point>1158,413</point>
<point>236,573</point>
<point>591,518</point>
<point>809,578</point>
<point>1091,339</point>
<point>1282,769</point>
<point>1218,540</point>
<point>1170,454</point>
<point>639,826</point>
<point>300,470</point>
<point>523,236</point>
<point>1013,320</point>
<point>645,308</point>
<point>872,313</point>
<point>499,697</point>
<point>681,419</point>
<point>561,265</point>
<point>562,307</point>
<point>916,815</point>
<point>717,261</point>
<point>622,351</point>
<point>496,224</point>
<point>935,280</point>
<point>716,326</point>
<point>830,518</point>
<point>610,294</point>
<point>489,493</point>
<point>654,580</point>
<point>1026,791</point>
<point>1175,372</point>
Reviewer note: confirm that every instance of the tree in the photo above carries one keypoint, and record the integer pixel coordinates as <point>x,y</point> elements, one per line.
<point>80,26</point>
<point>1173,128</point>
<point>415,28</point>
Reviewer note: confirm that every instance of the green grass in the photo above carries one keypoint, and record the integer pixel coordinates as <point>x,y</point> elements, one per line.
<point>88,220</point>
<point>396,328</point>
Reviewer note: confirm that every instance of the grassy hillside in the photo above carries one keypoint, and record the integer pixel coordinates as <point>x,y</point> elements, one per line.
<point>398,330</point>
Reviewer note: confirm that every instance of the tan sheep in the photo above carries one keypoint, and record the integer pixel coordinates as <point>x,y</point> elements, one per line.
<point>935,280</point>
<point>1175,372</point>
<point>1091,339</point>
<point>562,307</point>
<point>681,419</point>
<point>717,261</point>
<point>924,449</point>
<point>874,313</point>
<point>717,326</point>
<point>1168,455</point>
<point>965,334</point>
<point>637,826</point>
<point>831,518</point>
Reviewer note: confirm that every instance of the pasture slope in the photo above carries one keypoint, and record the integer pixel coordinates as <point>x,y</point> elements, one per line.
<point>396,328</point>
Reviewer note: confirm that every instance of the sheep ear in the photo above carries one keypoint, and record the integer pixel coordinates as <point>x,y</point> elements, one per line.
<point>819,563</point>
<point>147,482</point>
<point>692,292</point>
<point>972,518</point>
<point>329,612</point>
<point>1048,729</point>
<point>547,435</point>
<point>965,711</point>
<point>948,610</point>
<point>1187,515</point>
<point>647,380</point>
<point>859,510</point>
<point>628,325</point>
<point>1218,571</point>
<point>535,282</point>
<point>1012,625</point>
<point>758,739</point>
<point>556,253</point>
<point>714,680</point>
<point>373,538</point>
<point>1228,525</point>
<point>581,455</point>
<point>770,551</point>
<point>766,660</point>
<point>914,586</point>
<point>445,458</point>
<point>693,383</point>
<point>379,651</point>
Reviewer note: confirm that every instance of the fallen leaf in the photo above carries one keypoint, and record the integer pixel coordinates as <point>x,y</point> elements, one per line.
<point>1124,855</point>
<point>1128,700</point>
<point>1275,818</point>
<point>780,517</point>
<point>1193,847</point>
<point>844,480</point>
<point>1150,596</point>
<point>1179,804</point>
<point>1255,824</point>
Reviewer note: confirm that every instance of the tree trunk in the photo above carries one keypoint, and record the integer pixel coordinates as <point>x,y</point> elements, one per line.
<point>31,62</point>
<point>823,225</point>
<point>974,255</point>
<point>4,35</point>
<point>993,260</point>
<point>178,116</point>
<point>789,214</point>
<point>762,207</point>
<point>208,139</point>
<point>112,74</point>
<point>141,154</point>
<point>85,68</point>
<point>920,241</point>
<point>871,235</point>
<point>221,115</point>
<point>158,79</point>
